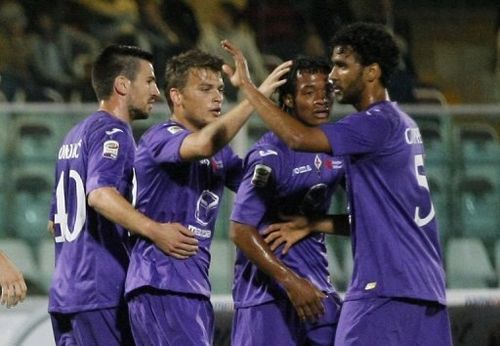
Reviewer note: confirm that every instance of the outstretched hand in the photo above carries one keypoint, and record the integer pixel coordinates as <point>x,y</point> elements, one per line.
<point>240,75</point>
<point>273,80</point>
<point>289,232</point>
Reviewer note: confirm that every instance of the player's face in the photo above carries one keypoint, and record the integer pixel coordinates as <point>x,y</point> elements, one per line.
<point>313,98</point>
<point>201,98</point>
<point>347,76</point>
<point>143,92</point>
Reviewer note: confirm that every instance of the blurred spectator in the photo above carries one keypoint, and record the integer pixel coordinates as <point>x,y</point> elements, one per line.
<point>171,27</point>
<point>279,27</point>
<point>66,51</point>
<point>15,55</point>
<point>228,23</point>
<point>114,21</point>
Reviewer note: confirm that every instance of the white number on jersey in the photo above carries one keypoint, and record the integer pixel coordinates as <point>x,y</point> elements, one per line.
<point>422,181</point>
<point>61,216</point>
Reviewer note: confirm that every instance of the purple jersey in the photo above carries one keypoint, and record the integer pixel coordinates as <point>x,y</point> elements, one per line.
<point>278,181</point>
<point>91,252</point>
<point>394,231</point>
<point>186,192</point>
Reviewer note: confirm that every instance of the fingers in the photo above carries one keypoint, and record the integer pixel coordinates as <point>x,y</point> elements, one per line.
<point>228,70</point>
<point>13,293</point>
<point>272,228</point>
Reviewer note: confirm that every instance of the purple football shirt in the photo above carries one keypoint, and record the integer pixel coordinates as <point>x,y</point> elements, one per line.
<point>394,231</point>
<point>173,190</point>
<point>277,181</point>
<point>91,252</point>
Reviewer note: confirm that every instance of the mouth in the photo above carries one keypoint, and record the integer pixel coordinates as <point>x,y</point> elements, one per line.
<point>215,111</point>
<point>322,113</point>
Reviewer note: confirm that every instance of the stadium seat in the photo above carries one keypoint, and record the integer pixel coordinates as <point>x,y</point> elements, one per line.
<point>31,202</point>
<point>479,143</point>
<point>430,95</point>
<point>438,179</point>
<point>222,266</point>
<point>479,201</point>
<point>20,253</point>
<point>468,265</point>
<point>35,138</point>
<point>434,142</point>
<point>46,261</point>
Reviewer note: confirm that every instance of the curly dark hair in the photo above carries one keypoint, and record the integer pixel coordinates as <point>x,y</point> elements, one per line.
<point>178,67</point>
<point>113,61</point>
<point>371,43</point>
<point>301,64</point>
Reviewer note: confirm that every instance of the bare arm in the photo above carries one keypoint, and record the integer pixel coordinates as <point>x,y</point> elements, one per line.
<point>305,297</point>
<point>12,282</point>
<point>296,228</point>
<point>209,140</point>
<point>172,238</point>
<point>296,135</point>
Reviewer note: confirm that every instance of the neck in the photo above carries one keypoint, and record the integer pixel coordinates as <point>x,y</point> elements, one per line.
<point>116,109</point>
<point>370,97</point>
<point>182,120</point>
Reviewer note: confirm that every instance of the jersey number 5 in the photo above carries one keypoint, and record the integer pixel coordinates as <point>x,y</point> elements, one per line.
<point>61,216</point>
<point>422,181</point>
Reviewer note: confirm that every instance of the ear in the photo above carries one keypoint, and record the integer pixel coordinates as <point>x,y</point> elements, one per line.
<point>121,85</point>
<point>175,96</point>
<point>373,72</point>
<point>288,100</point>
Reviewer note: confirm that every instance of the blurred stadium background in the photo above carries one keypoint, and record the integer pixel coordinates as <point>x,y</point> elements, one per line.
<point>452,69</point>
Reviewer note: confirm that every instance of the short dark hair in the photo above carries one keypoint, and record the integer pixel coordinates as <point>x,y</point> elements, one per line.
<point>371,43</point>
<point>113,61</point>
<point>178,67</point>
<point>301,64</point>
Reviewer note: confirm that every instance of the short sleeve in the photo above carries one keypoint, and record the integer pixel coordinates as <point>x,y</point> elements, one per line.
<point>164,142</point>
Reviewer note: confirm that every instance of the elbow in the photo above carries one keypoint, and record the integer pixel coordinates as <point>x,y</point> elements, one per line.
<point>235,233</point>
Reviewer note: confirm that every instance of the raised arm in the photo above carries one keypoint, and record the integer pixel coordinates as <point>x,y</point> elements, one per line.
<point>295,134</point>
<point>172,238</point>
<point>305,297</point>
<point>210,139</point>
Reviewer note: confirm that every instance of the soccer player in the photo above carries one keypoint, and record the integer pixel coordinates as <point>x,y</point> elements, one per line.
<point>286,299</point>
<point>11,282</point>
<point>182,167</point>
<point>397,292</point>
<point>91,213</point>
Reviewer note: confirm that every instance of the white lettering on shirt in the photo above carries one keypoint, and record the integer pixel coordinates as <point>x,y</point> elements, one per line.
<point>412,135</point>
<point>70,151</point>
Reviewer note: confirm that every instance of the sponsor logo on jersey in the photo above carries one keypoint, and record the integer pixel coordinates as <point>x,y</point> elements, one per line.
<point>371,285</point>
<point>261,174</point>
<point>202,233</point>
<point>174,129</point>
<point>110,149</point>
<point>302,169</point>
<point>216,164</point>
<point>267,152</point>
<point>113,131</point>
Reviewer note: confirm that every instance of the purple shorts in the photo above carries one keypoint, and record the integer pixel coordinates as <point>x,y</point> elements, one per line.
<point>277,323</point>
<point>393,321</point>
<point>161,317</point>
<point>97,327</point>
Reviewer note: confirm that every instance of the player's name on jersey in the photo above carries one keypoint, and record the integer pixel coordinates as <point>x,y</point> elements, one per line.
<point>70,151</point>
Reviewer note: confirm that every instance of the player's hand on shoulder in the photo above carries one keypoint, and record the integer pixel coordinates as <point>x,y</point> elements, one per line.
<point>176,240</point>
<point>289,232</point>
<point>306,298</point>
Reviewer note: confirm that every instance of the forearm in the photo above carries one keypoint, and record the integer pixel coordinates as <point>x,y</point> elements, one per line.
<point>213,137</point>
<point>296,135</point>
<point>248,240</point>
<point>332,224</point>
<point>108,202</point>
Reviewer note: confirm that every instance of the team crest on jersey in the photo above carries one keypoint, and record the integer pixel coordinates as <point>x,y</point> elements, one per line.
<point>317,162</point>
<point>110,149</point>
<point>267,152</point>
<point>174,129</point>
<point>261,174</point>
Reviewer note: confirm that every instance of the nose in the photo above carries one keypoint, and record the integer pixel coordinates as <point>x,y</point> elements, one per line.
<point>219,96</point>
<point>332,75</point>
<point>155,91</point>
